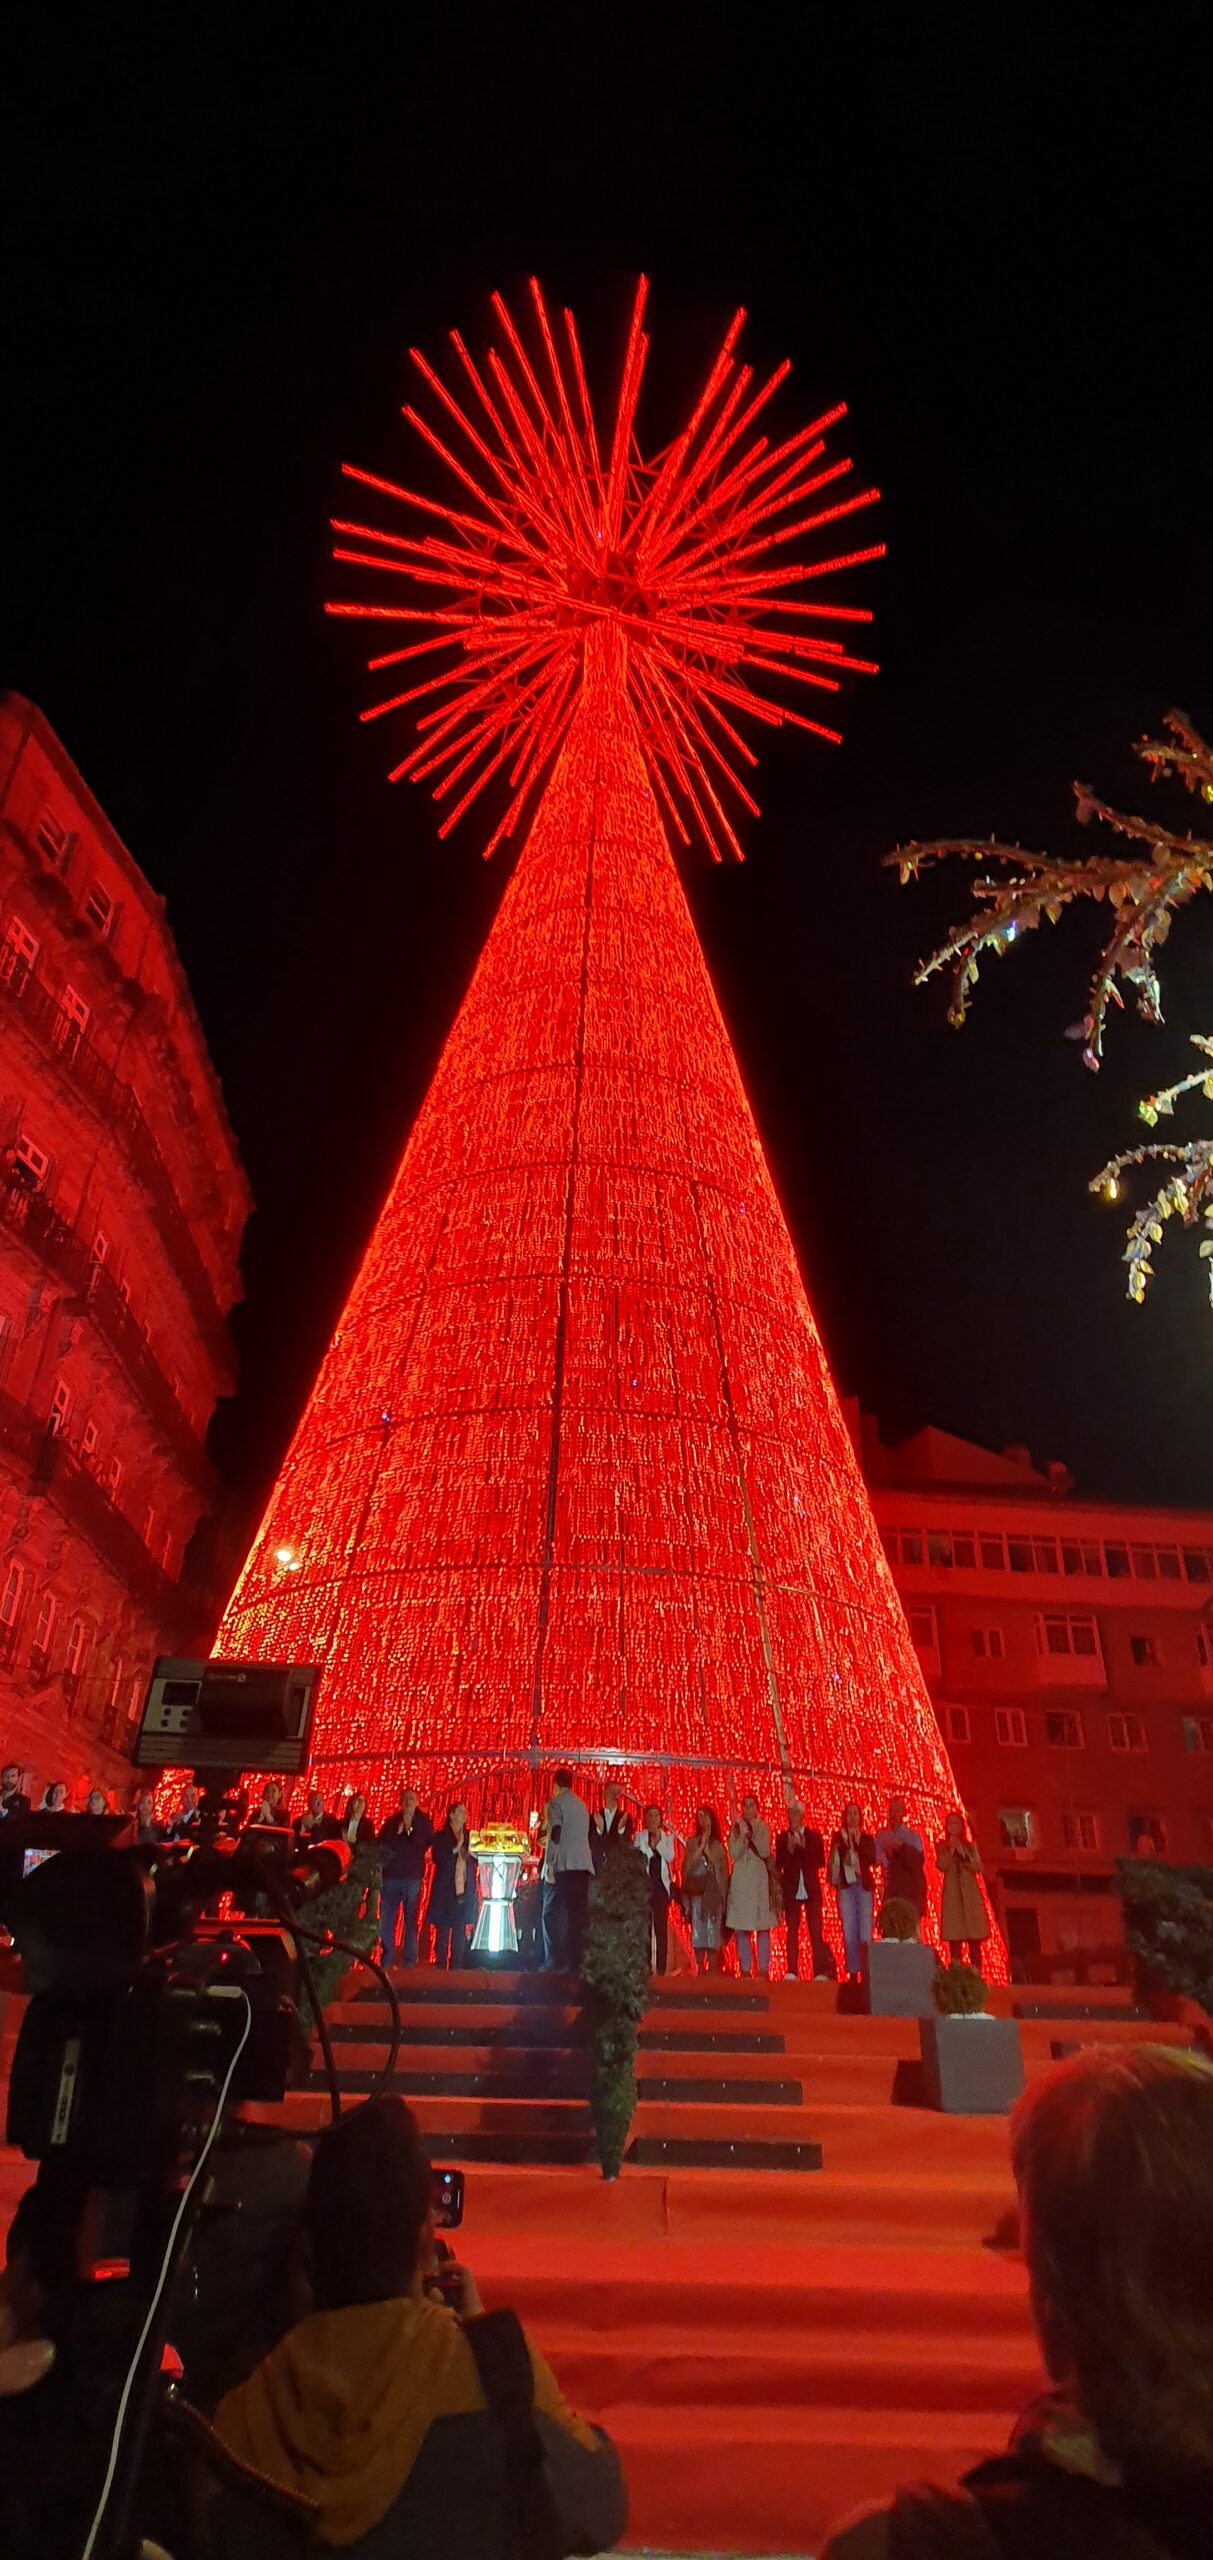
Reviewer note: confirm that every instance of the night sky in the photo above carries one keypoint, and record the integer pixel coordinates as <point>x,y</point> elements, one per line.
<point>988,230</point>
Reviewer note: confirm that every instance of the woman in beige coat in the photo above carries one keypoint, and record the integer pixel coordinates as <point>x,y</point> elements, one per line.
<point>963,1916</point>
<point>749,1909</point>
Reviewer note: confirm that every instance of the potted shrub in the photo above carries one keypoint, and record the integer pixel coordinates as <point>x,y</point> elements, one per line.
<point>900,1970</point>
<point>972,2064</point>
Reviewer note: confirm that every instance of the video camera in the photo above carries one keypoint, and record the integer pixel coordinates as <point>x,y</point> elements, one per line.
<point>164,1985</point>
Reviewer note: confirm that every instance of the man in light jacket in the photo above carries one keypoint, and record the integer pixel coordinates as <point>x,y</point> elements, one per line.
<point>570,1867</point>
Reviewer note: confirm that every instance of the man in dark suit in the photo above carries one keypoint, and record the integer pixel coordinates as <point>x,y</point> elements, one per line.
<point>13,1798</point>
<point>800,1856</point>
<point>611,1824</point>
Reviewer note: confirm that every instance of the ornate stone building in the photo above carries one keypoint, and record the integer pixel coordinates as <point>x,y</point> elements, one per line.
<point>122,1205</point>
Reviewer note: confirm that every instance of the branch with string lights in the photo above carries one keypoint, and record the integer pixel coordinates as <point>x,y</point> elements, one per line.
<point>1144,890</point>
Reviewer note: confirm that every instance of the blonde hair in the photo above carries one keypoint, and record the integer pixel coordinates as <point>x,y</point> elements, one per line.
<point>1113,2159</point>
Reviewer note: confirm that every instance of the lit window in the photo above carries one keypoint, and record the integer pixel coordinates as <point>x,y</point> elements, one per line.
<point>1011,1728</point>
<point>1080,1830</point>
<point>77,1645</point>
<point>18,953</point>
<point>1064,1731</point>
<point>1126,1733</point>
<point>113,1477</point>
<point>99,908</point>
<point>117,1678</point>
<point>149,1524</point>
<point>993,1555</point>
<point>1017,1827</point>
<point>100,1246</point>
<point>61,1405</point>
<point>88,1440</point>
<point>73,1021</point>
<point>135,1706</point>
<point>45,1625</point>
<point>1147,1834</point>
<point>1198,1733</point>
<point>10,1597</point>
<point>1145,1650</point>
<point>54,841</point>
<point>956,1724</point>
<point>987,1643</point>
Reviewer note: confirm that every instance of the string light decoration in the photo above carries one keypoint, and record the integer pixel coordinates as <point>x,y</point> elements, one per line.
<point>573,1483</point>
<point>1142,891</point>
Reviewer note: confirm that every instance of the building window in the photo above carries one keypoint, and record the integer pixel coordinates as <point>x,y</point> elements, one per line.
<point>1081,1555</point>
<point>1117,1561</point>
<point>99,908</point>
<point>117,1677</point>
<point>1064,1731</point>
<point>964,1554</point>
<point>61,1405</point>
<point>149,1524</point>
<point>1061,1636</point>
<point>44,1627</point>
<point>1126,1733</point>
<point>100,1247</point>
<point>993,1555</point>
<point>31,1162</point>
<point>77,1646</point>
<point>939,1547</point>
<point>1044,1554</point>
<point>1080,1831</point>
<point>1011,1728</point>
<point>922,1629</point>
<point>1168,1563</point>
<point>54,842</point>
<point>1198,1733</point>
<point>1019,1554</point>
<point>135,1707</point>
<point>1147,1835</point>
<point>956,1724</point>
<point>10,1597</point>
<point>88,1442</point>
<point>18,953</point>
<point>1017,1827</point>
<point>113,1477</point>
<point>72,1023</point>
<point>1196,1564</point>
<point>1145,1564</point>
<point>987,1643</point>
<point>1146,1651</point>
<point>911,1547</point>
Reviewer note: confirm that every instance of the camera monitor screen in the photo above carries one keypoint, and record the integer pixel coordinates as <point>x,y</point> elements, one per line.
<point>228,1715</point>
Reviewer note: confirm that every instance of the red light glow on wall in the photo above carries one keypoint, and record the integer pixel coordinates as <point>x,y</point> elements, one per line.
<point>573,1481</point>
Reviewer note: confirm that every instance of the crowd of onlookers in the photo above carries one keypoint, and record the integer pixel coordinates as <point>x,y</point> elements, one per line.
<point>718,1889</point>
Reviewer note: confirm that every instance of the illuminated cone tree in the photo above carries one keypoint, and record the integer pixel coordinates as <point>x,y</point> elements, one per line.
<point>573,1482</point>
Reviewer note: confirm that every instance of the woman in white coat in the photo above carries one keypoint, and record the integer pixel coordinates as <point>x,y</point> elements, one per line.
<point>749,1910</point>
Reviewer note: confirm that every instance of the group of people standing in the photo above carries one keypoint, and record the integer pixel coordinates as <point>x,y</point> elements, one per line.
<point>741,1885</point>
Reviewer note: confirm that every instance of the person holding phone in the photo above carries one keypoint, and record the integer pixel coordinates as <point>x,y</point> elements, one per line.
<point>750,1915</point>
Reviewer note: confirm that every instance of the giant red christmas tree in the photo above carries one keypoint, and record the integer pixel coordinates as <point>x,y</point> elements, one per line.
<point>573,1482</point>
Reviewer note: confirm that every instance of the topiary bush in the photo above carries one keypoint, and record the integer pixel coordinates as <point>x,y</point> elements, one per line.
<point>615,1989</point>
<point>351,1911</point>
<point>1168,1917</point>
<point>959,1991</point>
<point>897,1918</point>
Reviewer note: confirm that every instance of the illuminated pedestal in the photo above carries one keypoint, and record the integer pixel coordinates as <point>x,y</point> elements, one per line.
<point>497,1874</point>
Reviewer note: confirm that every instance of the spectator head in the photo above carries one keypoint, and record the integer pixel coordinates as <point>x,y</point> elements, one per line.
<point>749,1807</point>
<point>145,1809</point>
<point>852,1820</point>
<point>707,1823</point>
<point>610,1798</point>
<point>315,1805</point>
<point>189,1799</point>
<point>98,1801</point>
<point>457,1817</point>
<point>795,1814</point>
<point>897,1812</point>
<point>55,1799</point>
<point>368,2207</point>
<point>1111,2155</point>
<point>409,1803</point>
<point>10,1778</point>
<point>561,1778</point>
<point>654,1821</point>
<point>956,1828</point>
<point>274,1795</point>
<point>357,1807</point>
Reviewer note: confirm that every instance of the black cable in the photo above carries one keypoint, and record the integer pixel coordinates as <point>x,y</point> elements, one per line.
<point>372,1965</point>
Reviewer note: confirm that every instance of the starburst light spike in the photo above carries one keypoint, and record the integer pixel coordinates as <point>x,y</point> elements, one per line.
<point>699,560</point>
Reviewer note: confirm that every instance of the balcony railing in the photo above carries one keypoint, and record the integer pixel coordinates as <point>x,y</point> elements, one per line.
<point>56,1468</point>
<point>62,1039</point>
<point>57,1245</point>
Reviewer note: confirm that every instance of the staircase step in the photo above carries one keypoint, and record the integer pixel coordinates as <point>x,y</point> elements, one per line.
<point>562,2033</point>
<point>498,2079</point>
<point>673,2151</point>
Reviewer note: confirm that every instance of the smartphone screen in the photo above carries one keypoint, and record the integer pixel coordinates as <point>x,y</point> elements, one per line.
<point>446,2198</point>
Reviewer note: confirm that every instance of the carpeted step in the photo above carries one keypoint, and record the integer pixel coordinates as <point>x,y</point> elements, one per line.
<point>672,2151</point>
<point>542,2076</point>
<point>689,2366</point>
<point>478,2027</point>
